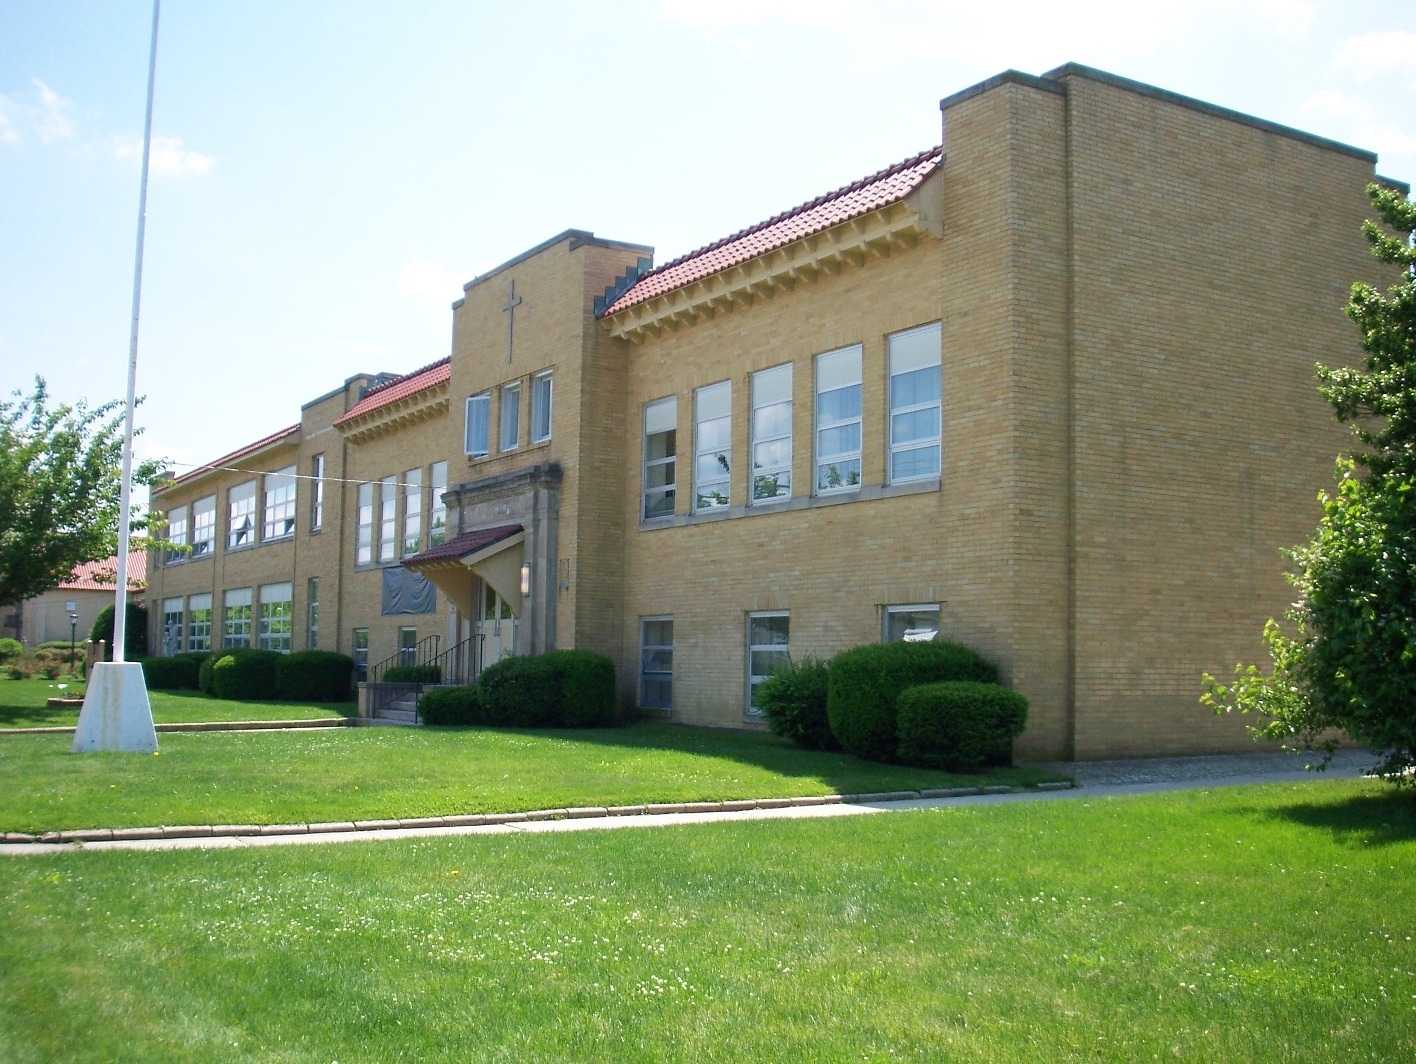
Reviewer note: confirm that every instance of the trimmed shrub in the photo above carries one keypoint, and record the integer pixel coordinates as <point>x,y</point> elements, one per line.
<point>135,646</point>
<point>18,670</point>
<point>205,673</point>
<point>959,725</point>
<point>314,676</point>
<point>10,648</point>
<point>587,688</point>
<point>865,682</point>
<point>412,674</point>
<point>245,675</point>
<point>179,672</point>
<point>793,699</point>
<point>558,689</point>
<point>453,706</point>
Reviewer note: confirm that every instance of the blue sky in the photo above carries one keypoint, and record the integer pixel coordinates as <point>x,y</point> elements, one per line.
<point>327,175</point>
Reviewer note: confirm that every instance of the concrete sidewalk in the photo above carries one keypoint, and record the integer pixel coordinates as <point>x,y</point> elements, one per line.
<point>1096,779</point>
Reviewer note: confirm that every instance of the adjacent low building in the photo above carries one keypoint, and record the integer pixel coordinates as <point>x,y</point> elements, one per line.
<point>68,610</point>
<point>1044,390</point>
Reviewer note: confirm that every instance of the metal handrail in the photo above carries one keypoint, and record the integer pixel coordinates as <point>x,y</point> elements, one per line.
<point>457,665</point>
<point>421,652</point>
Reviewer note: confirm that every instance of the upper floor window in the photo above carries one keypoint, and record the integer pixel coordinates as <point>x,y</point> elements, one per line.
<point>279,504</point>
<point>437,510</point>
<point>838,420</point>
<point>241,515</point>
<point>510,435</point>
<point>713,407</point>
<point>177,534</point>
<point>772,434</point>
<point>364,526</point>
<point>203,526</point>
<point>388,518</point>
<point>660,432</point>
<point>479,412</point>
<point>412,510</point>
<point>317,493</point>
<point>915,403</point>
<point>541,407</point>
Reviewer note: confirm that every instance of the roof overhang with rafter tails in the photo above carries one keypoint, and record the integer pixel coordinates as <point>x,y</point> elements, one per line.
<point>868,219</point>
<point>403,401</point>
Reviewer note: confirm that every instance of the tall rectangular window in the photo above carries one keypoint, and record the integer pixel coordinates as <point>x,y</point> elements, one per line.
<point>364,526</point>
<point>479,412</point>
<point>772,434</point>
<point>241,515</point>
<point>541,407</point>
<point>171,626</point>
<point>768,648</point>
<point>236,624</point>
<point>437,509</point>
<point>279,504</point>
<point>317,493</point>
<point>203,526</point>
<point>198,622</point>
<point>915,390</point>
<point>388,519</point>
<point>408,646</point>
<point>360,654</point>
<point>176,534</point>
<point>412,510</point>
<point>713,430</point>
<point>660,430</point>
<point>277,617</point>
<point>510,416</point>
<point>838,420</point>
<point>656,662</point>
<point>312,615</point>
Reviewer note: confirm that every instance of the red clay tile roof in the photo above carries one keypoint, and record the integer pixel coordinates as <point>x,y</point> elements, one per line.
<point>871,193</point>
<point>463,545</point>
<point>103,576</point>
<point>400,388</point>
<point>230,459</point>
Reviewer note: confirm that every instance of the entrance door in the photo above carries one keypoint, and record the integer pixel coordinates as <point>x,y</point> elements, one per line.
<point>497,627</point>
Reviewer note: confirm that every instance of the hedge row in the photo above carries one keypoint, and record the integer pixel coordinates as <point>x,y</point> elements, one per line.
<point>255,675</point>
<point>558,689</point>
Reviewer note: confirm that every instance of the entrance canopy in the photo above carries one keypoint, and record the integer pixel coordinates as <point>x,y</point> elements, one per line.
<point>494,554</point>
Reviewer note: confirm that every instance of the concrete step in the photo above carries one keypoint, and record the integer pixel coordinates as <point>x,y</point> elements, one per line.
<point>394,715</point>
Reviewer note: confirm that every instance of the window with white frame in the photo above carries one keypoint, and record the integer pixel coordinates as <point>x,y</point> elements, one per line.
<point>279,504</point>
<point>171,626</point>
<point>917,623</point>
<point>241,515</point>
<point>541,407</point>
<point>312,614</point>
<point>236,623</point>
<point>199,622</point>
<point>277,618</point>
<point>510,435</point>
<point>660,432</point>
<point>437,509</point>
<point>915,390</point>
<point>838,379</point>
<point>388,519</point>
<point>412,510</point>
<point>408,646</point>
<point>656,662</point>
<point>772,434</point>
<point>479,412</point>
<point>364,526</point>
<point>768,649</point>
<point>203,526</point>
<point>317,467</point>
<point>713,430</point>
<point>360,653</point>
<point>176,534</point>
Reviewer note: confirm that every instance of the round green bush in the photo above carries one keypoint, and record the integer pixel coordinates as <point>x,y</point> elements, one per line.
<point>134,636</point>
<point>959,725</point>
<point>10,648</point>
<point>245,675</point>
<point>206,671</point>
<point>793,699</point>
<point>558,689</point>
<point>179,672</point>
<point>314,676</point>
<point>865,682</point>
<point>453,706</point>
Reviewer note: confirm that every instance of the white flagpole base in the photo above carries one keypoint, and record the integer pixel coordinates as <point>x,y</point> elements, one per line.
<point>116,713</point>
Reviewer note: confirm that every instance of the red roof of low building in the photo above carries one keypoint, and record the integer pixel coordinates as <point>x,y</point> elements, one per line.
<point>868,194</point>
<point>463,545</point>
<point>228,460</point>
<point>400,388</point>
<point>103,576</point>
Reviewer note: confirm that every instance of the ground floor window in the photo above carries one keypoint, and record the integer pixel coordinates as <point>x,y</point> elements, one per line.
<point>312,615</point>
<point>236,628</point>
<point>408,646</point>
<point>918,623</point>
<point>656,662</point>
<point>199,622</point>
<point>277,617</point>
<point>171,626</point>
<point>361,654</point>
<point>768,647</point>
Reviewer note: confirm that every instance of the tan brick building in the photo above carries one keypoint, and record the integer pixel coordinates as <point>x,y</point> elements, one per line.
<point>1045,390</point>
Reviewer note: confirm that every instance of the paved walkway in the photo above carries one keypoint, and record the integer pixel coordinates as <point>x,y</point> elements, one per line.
<point>1094,779</point>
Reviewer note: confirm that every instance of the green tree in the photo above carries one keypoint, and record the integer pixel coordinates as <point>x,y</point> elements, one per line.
<point>59,489</point>
<point>1350,665</point>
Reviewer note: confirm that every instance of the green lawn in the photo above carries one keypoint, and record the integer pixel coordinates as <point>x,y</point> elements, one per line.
<point>22,705</point>
<point>1243,924</point>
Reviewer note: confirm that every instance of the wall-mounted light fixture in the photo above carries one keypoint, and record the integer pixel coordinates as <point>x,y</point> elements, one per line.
<point>525,579</point>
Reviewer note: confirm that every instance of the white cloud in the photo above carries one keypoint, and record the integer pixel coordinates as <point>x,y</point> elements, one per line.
<point>1380,52</point>
<point>426,278</point>
<point>1355,120</point>
<point>43,113</point>
<point>168,157</point>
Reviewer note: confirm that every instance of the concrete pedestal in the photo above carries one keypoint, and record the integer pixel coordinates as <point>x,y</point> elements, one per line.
<point>116,713</point>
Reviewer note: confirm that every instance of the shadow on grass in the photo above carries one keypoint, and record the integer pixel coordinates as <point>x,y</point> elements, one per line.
<point>1362,820</point>
<point>31,716</point>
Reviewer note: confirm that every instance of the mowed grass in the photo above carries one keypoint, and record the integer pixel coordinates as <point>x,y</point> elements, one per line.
<point>375,773</point>
<point>23,705</point>
<point>1243,924</point>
